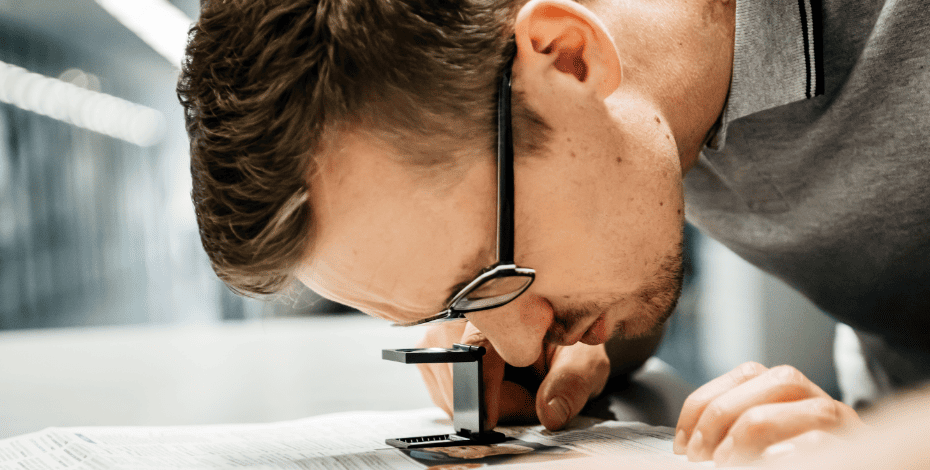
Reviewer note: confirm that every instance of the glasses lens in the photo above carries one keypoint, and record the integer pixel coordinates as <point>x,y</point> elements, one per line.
<point>493,293</point>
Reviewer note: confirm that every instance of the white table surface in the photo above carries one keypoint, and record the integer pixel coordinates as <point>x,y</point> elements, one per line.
<point>258,371</point>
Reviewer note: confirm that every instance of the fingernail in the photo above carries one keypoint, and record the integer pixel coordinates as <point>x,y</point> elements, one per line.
<point>724,452</point>
<point>696,447</point>
<point>559,409</point>
<point>681,442</point>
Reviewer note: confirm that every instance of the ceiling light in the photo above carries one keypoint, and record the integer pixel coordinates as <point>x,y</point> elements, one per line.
<point>87,109</point>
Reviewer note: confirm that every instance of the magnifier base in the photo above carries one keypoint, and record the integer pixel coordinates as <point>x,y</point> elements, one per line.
<point>448,440</point>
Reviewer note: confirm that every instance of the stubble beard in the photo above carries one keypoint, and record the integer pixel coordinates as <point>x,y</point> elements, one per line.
<point>655,301</point>
<point>652,304</point>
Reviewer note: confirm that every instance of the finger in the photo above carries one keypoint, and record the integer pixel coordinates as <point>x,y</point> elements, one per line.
<point>518,391</point>
<point>516,404</point>
<point>576,374</point>
<point>428,372</point>
<point>447,389</point>
<point>765,425</point>
<point>778,384</point>
<point>695,404</point>
<point>438,377</point>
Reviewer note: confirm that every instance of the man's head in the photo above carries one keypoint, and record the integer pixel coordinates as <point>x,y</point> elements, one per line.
<point>268,84</point>
<point>396,202</point>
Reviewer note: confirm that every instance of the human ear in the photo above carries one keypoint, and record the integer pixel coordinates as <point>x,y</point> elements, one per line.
<point>563,36</point>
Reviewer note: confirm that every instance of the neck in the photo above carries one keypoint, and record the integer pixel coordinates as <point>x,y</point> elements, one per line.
<point>679,55</point>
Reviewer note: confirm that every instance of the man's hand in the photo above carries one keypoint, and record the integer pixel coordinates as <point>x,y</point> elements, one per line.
<point>753,412</point>
<point>566,376</point>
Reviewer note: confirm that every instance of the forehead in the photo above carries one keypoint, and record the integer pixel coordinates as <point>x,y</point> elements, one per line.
<point>391,238</point>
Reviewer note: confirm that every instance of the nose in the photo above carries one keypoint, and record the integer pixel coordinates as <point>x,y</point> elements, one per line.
<point>517,329</point>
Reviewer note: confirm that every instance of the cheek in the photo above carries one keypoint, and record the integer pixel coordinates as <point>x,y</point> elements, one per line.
<point>603,226</point>
<point>656,212</point>
<point>573,234</point>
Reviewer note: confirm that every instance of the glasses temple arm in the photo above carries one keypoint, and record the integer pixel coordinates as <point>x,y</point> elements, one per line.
<point>505,174</point>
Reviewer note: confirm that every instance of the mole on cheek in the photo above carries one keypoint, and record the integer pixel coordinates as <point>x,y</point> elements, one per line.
<point>619,159</point>
<point>658,121</point>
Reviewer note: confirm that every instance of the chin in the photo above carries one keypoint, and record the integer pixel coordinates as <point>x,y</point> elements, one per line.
<point>639,328</point>
<point>655,301</point>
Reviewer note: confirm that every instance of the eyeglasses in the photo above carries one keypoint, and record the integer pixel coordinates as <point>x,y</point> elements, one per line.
<point>503,281</point>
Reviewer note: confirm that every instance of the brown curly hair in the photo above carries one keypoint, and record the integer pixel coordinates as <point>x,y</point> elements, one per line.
<point>265,82</point>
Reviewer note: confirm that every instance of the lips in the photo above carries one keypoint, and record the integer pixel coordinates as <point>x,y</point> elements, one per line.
<point>597,333</point>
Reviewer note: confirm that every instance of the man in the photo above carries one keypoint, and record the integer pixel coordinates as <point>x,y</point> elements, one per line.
<point>351,145</point>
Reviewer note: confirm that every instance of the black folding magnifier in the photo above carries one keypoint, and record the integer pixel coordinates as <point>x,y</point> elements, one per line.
<point>468,417</point>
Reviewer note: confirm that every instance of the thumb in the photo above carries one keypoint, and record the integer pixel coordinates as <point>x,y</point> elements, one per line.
<point>561,397</point>
<point>576,374</point>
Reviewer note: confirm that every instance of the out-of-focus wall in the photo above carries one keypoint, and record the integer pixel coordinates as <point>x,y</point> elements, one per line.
<point>98,230</point>
<point>742,314</point>
<point>94,230</point>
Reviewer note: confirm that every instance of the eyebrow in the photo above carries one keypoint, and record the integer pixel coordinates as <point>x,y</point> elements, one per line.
<point>454,290</point>
<point>472,269</point>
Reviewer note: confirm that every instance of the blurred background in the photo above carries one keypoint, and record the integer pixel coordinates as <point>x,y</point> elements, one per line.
<point>110,313</point>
